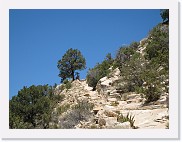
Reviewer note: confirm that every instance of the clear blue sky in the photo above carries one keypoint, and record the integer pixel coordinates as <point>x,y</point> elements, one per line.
<point>39,38</point>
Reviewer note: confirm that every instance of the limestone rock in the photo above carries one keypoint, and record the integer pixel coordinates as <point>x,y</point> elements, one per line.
<point>105,112</point>
<point>102,122</point>
<point>125,125</point>
<point>110,121</point>
<point>110,113</point>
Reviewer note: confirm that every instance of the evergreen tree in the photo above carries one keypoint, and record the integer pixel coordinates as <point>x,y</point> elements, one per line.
<point>165,15</point>
<point>71,61</point>
<point>31,108</point>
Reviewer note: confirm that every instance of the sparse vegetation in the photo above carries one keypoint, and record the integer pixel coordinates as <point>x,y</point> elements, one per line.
<point>115,103</point>
<point>121,118</point>
<point>68,85</point>
<point>99,71</point>
<point>63,108</point>
<point>144,69</point>
<point>79,112</point>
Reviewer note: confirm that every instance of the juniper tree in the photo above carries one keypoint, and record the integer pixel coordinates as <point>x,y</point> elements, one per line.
<point>71,61</point>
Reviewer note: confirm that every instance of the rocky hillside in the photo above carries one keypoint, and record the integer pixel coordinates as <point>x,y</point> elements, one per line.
<point>129,91</point>
<point>108,104</point>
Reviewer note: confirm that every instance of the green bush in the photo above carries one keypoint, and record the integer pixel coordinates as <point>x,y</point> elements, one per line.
<point>65,81</point>
<point>63,108</point>
<point>157,50</point>
<point>80,112</point>
<point>152,93</point>
<point>99,71</point>
<point>114,103</point>
<point>68,85</point>
<point>121,118</point>
<point>31,108</point>
<point>138,90</point>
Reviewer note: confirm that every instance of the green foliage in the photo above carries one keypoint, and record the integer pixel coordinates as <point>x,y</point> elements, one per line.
<point>65,81</point>
<point>115,103</point>
<point>32,107</point>
<point>79,112</point>
<point>131,72</point>
<point>121,118</point>
<point>124,97</point>
<point>134,45</point>
<point>165,15</point>
<point>157,50</point>
<point>99,71</point>
<point>123,55</point>
<point>68,85</point>
<point>152,68</point>
<point>139,90</point>
<point>83,105</point>
<point>109,59</point>
<point>152,93</point>
<point>71,61</point>
<point>93,77</point>
<point>63,108</point>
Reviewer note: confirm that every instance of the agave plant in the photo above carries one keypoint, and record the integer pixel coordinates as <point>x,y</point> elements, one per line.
<point>121,118</point>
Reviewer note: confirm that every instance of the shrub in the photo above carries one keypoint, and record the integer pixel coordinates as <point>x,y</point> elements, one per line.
<point>158,48</point>
<point>99,71</point>
<point>123,55</point>
<point>152,93</point>
<point>134,45</point>
<point>62,87</point>
<point>80,112</point>
<point>65,81</point>
<point>68,85</point>
<point>114,103</point>
<point>125,97</point>
<point>93,77</point>
<point>121,118</point>
<point>138,89</point>
<point>63,108</point>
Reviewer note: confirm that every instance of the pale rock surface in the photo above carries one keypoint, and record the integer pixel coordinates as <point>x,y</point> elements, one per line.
<point>146,117</point>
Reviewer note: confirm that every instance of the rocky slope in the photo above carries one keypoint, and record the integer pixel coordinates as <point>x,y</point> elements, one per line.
<point>108,103</point>
<point>111,108</point>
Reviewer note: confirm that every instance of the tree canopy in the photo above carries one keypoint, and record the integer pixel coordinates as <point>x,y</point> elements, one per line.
<point>71,61</point>
<point>32,107</point>
<point>165,15</point>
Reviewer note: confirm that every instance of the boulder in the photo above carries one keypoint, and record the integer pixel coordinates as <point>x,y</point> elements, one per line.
<point>125,125</point>
<point>109,108</point>
<point>116,72</point>
<point>143,41</point>
<point>110,121</point>
<point>102,122</point>
<point>112,99</point>
<point>110,113</point>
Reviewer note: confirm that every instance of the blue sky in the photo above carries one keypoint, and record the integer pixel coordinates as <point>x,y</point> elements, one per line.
<point>39,38</point>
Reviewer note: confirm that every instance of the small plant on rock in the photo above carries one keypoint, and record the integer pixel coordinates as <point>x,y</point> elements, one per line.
<point>121,118</point>
<point>68,85</point>
<point>115,103</point>
<point>63,108</point>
